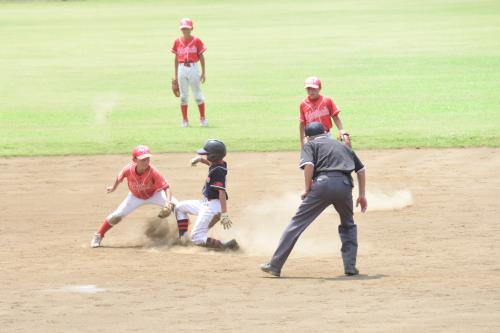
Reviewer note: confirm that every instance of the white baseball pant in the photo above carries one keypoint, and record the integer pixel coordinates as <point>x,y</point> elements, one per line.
<point>132,202</point>
<point>190,77</point>
<point>205,210</point>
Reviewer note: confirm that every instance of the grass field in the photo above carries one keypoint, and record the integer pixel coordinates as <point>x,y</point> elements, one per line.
<point>92,77</point>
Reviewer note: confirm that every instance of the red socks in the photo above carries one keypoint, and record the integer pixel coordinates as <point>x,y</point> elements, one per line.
<point>105,226</point>
<point>184,110</point>
<point>201,108</point>
<point>182,225</point>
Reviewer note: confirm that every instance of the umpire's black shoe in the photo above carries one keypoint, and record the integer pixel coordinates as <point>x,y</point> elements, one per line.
<point>351,272</point>
<point>270,269</point>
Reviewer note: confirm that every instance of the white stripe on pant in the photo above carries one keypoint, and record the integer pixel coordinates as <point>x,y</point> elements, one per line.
<point>205,210</point>
<point>189,77</point>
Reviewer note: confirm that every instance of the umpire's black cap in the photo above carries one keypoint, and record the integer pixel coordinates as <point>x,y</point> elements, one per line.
<point>314,128</point>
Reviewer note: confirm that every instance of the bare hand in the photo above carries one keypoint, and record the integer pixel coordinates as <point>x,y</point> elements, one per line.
<point>304,195</point>
<point>110,189</point>
<point>195,160</point>
<point>202,78</point>
<point>363,203</point>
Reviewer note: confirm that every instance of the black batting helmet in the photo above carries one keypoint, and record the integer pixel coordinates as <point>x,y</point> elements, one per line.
<point>214,149</point>
<point>314,128</point>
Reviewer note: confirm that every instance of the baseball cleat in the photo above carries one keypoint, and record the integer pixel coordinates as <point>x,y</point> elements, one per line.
<point>204,123</point>
<point>96,240</point>
<point>232,245</point>
<point>185,123</point>
<point>270,269</point>
<point>351,272</point>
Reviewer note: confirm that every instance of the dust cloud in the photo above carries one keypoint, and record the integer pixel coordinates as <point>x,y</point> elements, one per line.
<point>260,225</point>
<point>103,107</point>
<point>378,200</point>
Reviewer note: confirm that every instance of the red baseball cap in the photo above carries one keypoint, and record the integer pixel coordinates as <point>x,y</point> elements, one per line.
<point>141,152</point>
<point>312,82</point>
<point>186,23</point>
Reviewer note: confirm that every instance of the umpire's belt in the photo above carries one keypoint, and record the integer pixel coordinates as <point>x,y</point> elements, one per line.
<point>331,173</point>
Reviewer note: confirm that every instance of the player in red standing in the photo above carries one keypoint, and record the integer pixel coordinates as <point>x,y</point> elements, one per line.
<point>316,107</point>
<point>147,187</point>
<point>188,50</point>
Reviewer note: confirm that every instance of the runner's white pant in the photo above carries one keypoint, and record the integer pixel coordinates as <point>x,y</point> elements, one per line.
<point>132,202</point>
<point>189,77</point>
<point>205,210</point>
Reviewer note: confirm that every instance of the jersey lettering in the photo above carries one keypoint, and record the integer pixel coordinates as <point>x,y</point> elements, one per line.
<point>188,51</point>
<point>145,185</point>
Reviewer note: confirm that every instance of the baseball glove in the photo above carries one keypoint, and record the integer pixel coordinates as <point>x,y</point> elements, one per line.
<point>345,138</point>
<point>175,88</point>
<point>166,210</point>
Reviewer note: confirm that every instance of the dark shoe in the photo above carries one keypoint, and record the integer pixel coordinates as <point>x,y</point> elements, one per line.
<point>351,272</point>
<point>232,245</point>
<point>270,269</point>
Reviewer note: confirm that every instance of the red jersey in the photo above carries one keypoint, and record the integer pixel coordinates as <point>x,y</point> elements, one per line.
<point>143,186</point>
<point>188,50</point>
<point>321,109</point>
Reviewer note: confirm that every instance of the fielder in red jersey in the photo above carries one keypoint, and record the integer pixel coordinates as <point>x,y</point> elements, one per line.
<point>146,185</point>
<point>188,50</point>
<point>316,107</point>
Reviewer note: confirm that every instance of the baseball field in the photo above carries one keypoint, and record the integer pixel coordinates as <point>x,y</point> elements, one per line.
<point>83,82</point>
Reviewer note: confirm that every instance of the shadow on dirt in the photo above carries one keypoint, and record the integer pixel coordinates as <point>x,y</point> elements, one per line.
<point>362,277</point>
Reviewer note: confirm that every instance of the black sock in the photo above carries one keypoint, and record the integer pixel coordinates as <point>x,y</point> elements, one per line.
<point>213,243</point>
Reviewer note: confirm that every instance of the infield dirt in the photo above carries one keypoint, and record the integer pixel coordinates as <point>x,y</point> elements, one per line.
<point>429,251</point>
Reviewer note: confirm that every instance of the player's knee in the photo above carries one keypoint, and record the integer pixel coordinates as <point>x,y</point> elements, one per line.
<point>200,100</point>
<point>184,99</point>
<point>114,220</point>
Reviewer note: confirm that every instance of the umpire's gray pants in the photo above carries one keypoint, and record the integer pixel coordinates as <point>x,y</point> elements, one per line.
<point>333,188</point>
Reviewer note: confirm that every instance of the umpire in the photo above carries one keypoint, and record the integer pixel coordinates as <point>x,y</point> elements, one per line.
<point>327,168</point>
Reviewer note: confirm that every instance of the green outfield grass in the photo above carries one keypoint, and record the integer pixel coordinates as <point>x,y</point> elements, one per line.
<point>87,77</point>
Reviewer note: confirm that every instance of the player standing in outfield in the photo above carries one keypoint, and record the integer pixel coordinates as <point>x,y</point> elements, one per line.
<point>188,50</point>
<point>147,187</point>
<point>213,206</point>
<point>316,107</point>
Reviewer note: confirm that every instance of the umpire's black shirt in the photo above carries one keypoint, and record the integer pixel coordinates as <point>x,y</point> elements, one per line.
<point>326,154</point>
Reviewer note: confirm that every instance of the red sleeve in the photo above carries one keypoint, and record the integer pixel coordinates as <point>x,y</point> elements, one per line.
<point>174,47</point>
<point>160,182</point>
<point>200,46</point>
<point>334,110</point>
<point>124,173</point>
